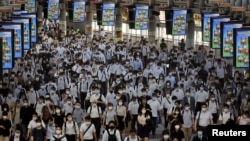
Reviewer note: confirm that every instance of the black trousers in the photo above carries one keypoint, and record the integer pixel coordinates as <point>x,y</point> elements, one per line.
<point>165,112</point>
<point>83,102</point>
<point>154,122</point>
<point>103,88</point>
<point>70,137</point>
<point>133,121</point>
<point>97,123</point>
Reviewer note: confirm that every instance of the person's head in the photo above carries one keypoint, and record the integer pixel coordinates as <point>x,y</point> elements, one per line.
<point>199,132</point>
<point>204,107</point>
<point>177,126</point>
<point>110,106</point>
<point>245,115</point>
<point>58,110</point>
<point>78,105</point>
<point>112,125</point>
<point>132,133</point>
<point>18,131</point>
<point>165,134</point>
<point>120,102</point>
<point>5,115</point>
<point>187,106</point>
<point>143,110</point>
<point>58,130</point>
<point>87,119</point>
<point>69,117</point>
<point>34,116</point>
<point>25,102</point>
<point>144,100</point>
<point>38,122</point>
<point>50,121</point>
<point>226,108</point>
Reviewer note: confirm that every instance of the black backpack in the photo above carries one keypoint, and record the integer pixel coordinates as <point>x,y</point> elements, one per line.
<point>58,139</point>
<point>112,137</point>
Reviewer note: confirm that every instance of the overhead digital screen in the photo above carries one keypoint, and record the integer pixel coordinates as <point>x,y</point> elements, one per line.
<point>7,48</point>
<point>19,12</point>
<point>26,30</point>
<point>241,47</point>
<point>53,9</point>
<point>30,6</point>
<point>18,37</point>
<point>79,12</point>
<point>33,25</point>
<point>215,31</point>
<point>206,25</point>
<point>108,14</point>
<point>197,19</point>
<point>141,17</point>
<point>179,22</point>
<point>227,50</point>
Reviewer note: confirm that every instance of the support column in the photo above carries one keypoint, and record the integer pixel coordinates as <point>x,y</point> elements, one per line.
<point>118,25</point>
<point>190,34</point>
<point>151,23</point>
<point>39,17</point>
<point>62,18</point>
<point>88,22</point>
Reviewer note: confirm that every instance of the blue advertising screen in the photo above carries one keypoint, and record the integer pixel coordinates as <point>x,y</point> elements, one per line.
<point>79,12</point>
<point>30,6</point>
<point>227,50</point>
<point>19,12</point>
<point>206,25</point>
<point>215,31</point>
<point>141,17</point>
<point>18,37</point>
<point>108,14</point>
<point>33,25</point>
<point>241,47</point>
<point>26,30</point>
<point>179,22</point>
<point>7,48</point>
<point>53,9</point>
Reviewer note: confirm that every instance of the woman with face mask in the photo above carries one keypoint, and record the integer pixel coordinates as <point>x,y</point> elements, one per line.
<point>144,124</point>
<point>58,136</point>
<point>165,135</point>
<point>58,117</point>
<point>109,115</point>
<point>5,126</point>
<point>177,131</point>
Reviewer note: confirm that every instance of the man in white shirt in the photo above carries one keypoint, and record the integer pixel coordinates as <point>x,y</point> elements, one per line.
<point>133,107</point>
<point>87,130</point>
<point>200,97</point>
<point>70,128</point>
<point>156,109</point>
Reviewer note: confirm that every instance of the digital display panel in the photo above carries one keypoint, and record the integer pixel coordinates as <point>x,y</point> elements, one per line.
<point>179,22</point>
<point>141,17</point>
<point>18,37</point>
<point>79,12</point>
<point>227,50</point>
<point>215,31</point>
<point>241,47</point>
<point>33,25</point>
<point>53,9</point>
<point>19,12</point>
<point>30,6</point>
<point>26,30</point>
<point>7,36</point>
<point>108,14</point>
<point>206,25</point>
<point>197,19</point>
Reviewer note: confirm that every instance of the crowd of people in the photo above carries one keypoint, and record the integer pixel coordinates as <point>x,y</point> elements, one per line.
<point>69,88</point>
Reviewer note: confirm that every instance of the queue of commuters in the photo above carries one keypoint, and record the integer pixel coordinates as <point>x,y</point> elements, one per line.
<point>69,88</point>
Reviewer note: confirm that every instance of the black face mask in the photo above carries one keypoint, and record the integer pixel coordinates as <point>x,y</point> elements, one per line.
<point>112,127</point>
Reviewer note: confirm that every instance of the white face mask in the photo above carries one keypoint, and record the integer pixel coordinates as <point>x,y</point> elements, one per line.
<point>120,103</point>
<point>177,126</point>
<point>165,137</point>
<point>38,124</point>
<point>143,111</point>
<point>58,111</point>
<point>58,132</point>
<point>110,108</point>
<point>167,95</point>
<point>204,109</point>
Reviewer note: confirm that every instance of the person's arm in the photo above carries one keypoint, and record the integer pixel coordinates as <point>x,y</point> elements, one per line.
<point>95,137</point>
<point>124,114</point>
<point>81,135</point>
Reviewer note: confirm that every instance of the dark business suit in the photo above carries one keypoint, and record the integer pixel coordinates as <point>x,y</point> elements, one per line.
<point>192,102</point>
